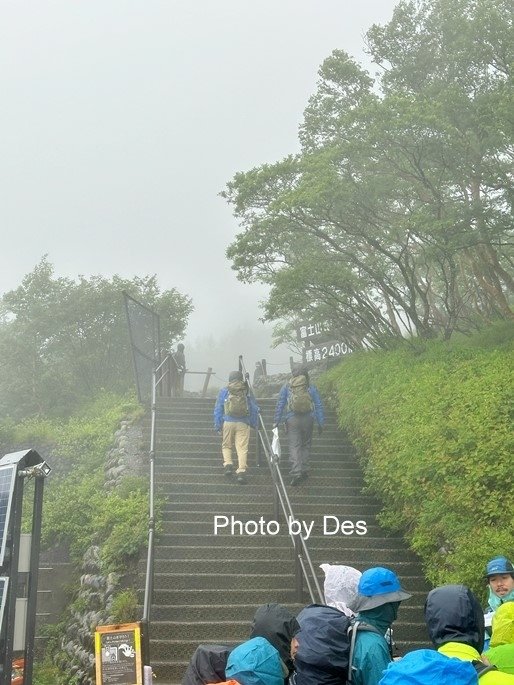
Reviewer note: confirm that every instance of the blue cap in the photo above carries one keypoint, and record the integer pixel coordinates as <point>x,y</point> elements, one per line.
<point>498,565</point>
<point>378,586</point>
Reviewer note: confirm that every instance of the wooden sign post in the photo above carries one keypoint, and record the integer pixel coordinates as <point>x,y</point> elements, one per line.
<point>118,655</point>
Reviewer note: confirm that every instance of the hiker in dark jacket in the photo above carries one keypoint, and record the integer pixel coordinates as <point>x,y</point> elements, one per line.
<point>234,412</point>
<point>178,370</point>
<point>279,626</point>
<point>271,621</point>
<point>455,623</point>
<point>298,405</point>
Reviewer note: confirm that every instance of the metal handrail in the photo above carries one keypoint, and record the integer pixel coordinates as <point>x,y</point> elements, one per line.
<point>303,559</point>
<point>158,376</point>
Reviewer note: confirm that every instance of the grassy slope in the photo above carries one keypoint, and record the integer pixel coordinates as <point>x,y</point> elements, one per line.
<point>433,426</point>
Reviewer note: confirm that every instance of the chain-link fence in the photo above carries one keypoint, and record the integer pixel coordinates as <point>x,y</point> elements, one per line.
<point>144,331</point>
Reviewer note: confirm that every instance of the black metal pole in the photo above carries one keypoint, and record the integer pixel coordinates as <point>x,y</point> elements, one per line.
<point>10,609</point>
<point>298,571</point>
<point>30,633</point>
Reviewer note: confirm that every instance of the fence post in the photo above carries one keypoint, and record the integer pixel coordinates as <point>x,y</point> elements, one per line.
<point>298,572</point>
<point>206,381</point>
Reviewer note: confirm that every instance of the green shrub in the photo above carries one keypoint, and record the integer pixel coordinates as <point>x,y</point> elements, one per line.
<point>433,425</point>
<point>78,511</point>
<point>124,607</point>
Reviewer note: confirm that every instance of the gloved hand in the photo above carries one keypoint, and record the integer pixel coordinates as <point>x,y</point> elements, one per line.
<point>320,430</point>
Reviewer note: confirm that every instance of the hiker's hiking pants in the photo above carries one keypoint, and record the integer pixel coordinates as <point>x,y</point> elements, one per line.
<point>235,434</point>
<point>299,436</point>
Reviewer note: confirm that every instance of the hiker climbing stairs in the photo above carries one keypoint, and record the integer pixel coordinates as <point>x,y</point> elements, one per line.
<point>210,579</point>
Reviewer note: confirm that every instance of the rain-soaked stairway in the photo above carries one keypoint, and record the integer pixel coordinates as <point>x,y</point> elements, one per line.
<point>207,585</point>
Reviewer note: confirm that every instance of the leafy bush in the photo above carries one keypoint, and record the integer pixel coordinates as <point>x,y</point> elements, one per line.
<point>124,607</point>
<point>78,511</point>
<point>432,422</point>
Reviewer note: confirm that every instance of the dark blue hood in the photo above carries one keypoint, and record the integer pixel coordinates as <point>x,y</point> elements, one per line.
<point>453,614</point>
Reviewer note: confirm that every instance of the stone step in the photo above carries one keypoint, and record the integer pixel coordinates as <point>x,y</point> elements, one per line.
<point>256,596</point>
<point>263,505</point>
<point>338,547</point>
<point>354,506</point>
<point>204,429</point>
<point>348,554</point>
<point>234,525</point>
<point>174,451</point>
<point>285,565</point>
<point>211,612</point>
<point>206,596</point>
<point>273,583</point>
<point>184,494</point>
<point>256,481</point>
<point>359,525</point>
<point>225,488</point>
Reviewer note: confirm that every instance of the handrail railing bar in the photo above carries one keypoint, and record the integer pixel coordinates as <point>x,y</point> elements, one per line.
<point>161,378</point>
<point>306,576</point>
<point>287,510</point>
<point>147,601</point>
<point>164,361</point>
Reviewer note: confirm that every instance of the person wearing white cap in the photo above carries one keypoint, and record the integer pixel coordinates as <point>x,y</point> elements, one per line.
<point>376,604</point>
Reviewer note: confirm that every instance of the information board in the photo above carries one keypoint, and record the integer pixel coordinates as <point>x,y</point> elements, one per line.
<point>118,655</point>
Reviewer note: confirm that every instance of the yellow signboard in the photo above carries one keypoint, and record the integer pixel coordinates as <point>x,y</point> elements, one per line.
<point>118,655</point>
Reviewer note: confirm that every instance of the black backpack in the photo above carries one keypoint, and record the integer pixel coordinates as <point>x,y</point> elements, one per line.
<point>326,645</point>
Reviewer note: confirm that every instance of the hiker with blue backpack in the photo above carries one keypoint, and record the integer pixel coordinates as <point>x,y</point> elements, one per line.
<point>298,406</point>
<point>235,412</point>
<point>455,623</point>
<point>334,649</point>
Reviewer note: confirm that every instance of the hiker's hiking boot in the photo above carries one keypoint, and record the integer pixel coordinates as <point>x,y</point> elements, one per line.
<point>228,470</point>
<point>296,480</point>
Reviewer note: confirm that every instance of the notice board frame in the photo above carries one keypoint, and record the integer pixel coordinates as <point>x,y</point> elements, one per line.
<point>121,671</point>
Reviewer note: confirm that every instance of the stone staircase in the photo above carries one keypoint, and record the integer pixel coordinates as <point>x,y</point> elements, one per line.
<point>208,586</point>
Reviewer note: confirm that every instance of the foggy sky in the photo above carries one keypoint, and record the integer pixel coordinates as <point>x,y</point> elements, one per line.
<point>121,121</point>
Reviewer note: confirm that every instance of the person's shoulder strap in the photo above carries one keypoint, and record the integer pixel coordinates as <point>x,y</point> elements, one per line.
<point>482,668</point>
<point>353,629</point>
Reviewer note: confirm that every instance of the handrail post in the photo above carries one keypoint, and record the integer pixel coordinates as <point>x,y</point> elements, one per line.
<point>298,578</point>
<point>168,377</point>
<point>259,447</point>
<point>206,381</point>
<point>276,502</point>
